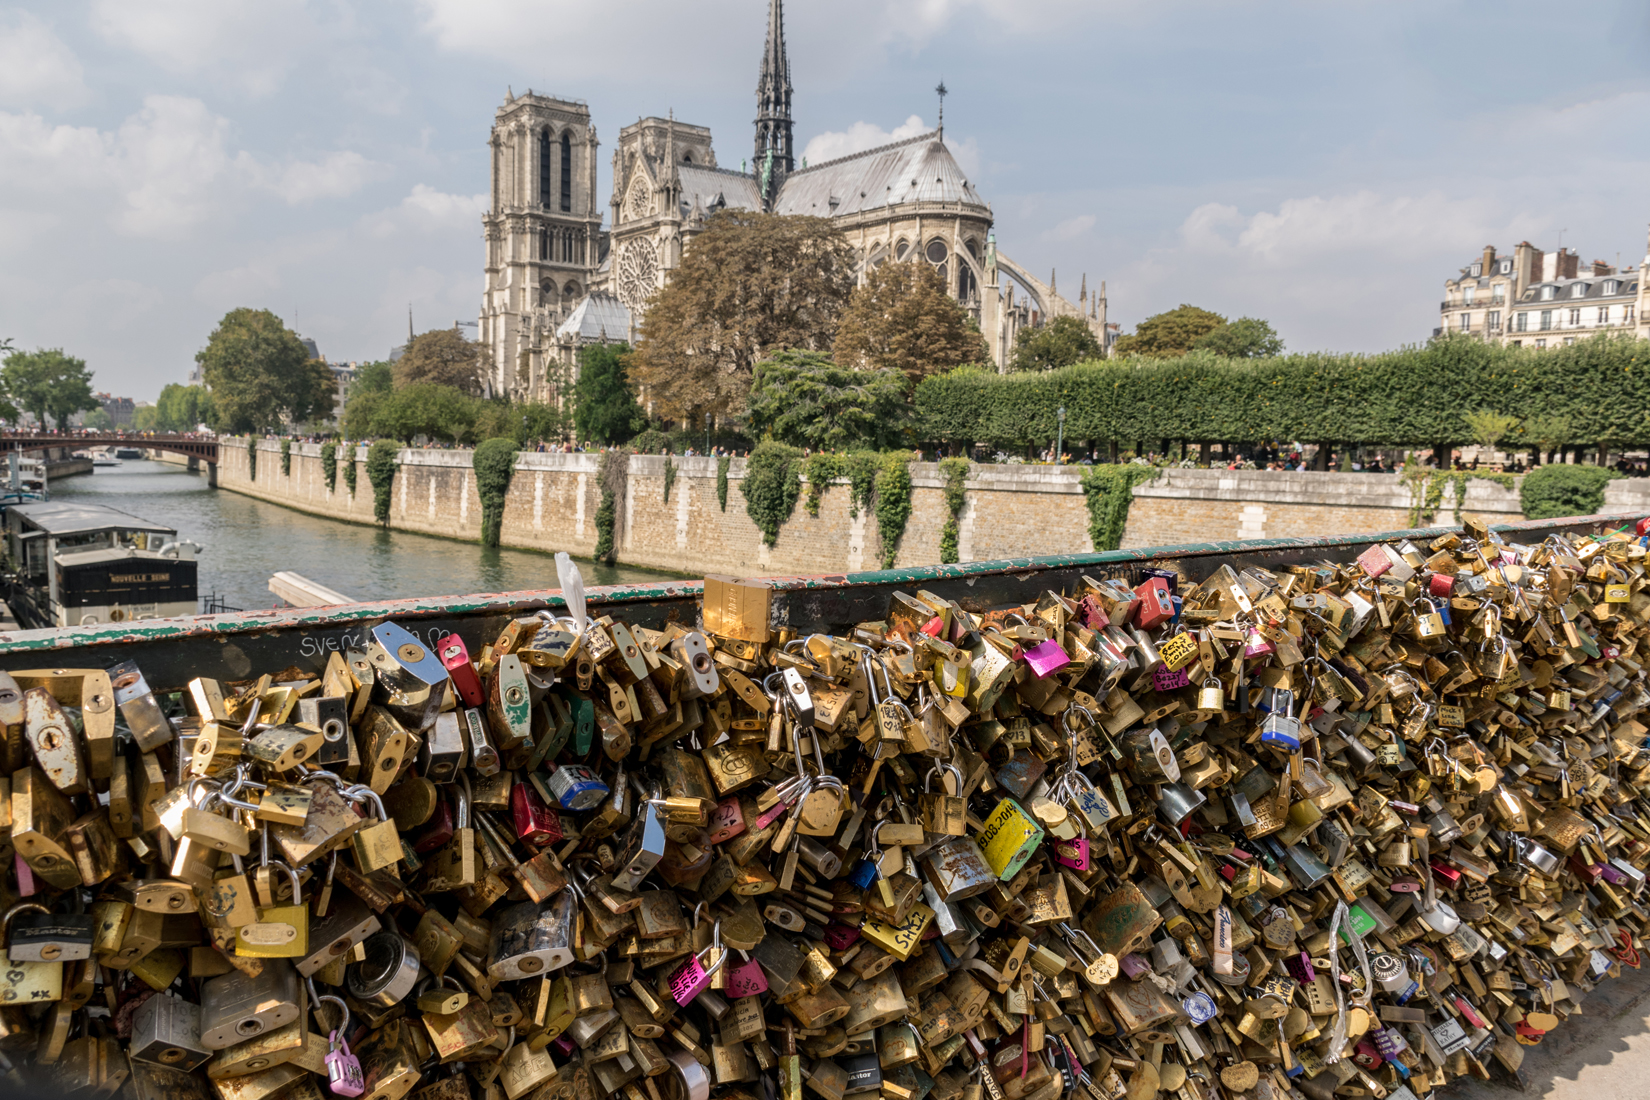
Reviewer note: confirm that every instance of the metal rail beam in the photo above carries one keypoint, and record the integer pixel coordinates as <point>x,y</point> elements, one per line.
<point>236,646</point>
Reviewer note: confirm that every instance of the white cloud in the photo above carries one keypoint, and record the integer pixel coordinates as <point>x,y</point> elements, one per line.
<point>249,44</point>
<point>336,176</point>
<point>858,138</point>
<point>36,68</point>
<point>430,211</point>
<point>1070,228</point>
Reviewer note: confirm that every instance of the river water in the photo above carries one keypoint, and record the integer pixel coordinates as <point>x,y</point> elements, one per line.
<point>247,540</point>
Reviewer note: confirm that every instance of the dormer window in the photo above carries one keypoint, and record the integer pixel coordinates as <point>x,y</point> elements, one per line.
<point>1506,267</point>
<point>1548,293</point>
<point>1611,286</point>
<point>1477,270</point>
<point>1579,290</point>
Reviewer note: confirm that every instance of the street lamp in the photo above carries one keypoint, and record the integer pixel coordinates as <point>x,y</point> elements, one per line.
<point>707,433</point>
<point>1060,437</point>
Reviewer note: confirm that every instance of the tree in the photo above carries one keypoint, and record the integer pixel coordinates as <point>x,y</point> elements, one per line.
<point>146,418</point>
<point>47,383</point>
<point>749,284</point>
<point>184,408</point>
<point>375,377</point>
<point>526,422</point>
<point>1488,427</point>
<point>1166,335</point>
<point>423,408</point>
<point>1244,338</point>
<point>901,319</point>
<point>1548,433</point>
<point>604,407</point>
<point>1060,343</point>
<point>803,399</point>
<point>98,420</point>
<point>261,374</point>
<point>444,357</point>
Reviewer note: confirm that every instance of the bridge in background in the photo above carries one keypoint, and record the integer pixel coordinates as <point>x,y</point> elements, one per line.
<point>205,450</point>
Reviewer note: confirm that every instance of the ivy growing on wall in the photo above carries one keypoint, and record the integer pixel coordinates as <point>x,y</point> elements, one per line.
<point>893,504</point>
<point>329,464</point>
<point>381,462</point>
<point>722,464</point>
<point>495,464</point>
<point>286,456</point>
<point>349,468</point>
<point>954,478</point>
<point>670,477</point>
<point>615,483</point>
<point>771,487</point>
<point>1109,491</point>
<point>821,469</point>
<point>1426,488</point>
<point>252,458</point>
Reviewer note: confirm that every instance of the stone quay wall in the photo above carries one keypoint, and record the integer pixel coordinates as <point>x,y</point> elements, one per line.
<point>1011,511</point>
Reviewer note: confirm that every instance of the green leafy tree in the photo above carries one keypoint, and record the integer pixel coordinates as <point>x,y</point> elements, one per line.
<point>1060,343</point>
<point>361,413</point>
<point>1166,335</point>
<point>526,422</point>
<point>423,408</point>
<point>261,374</point>
<point>51,385</point>
<point>1244,338</point>
<point>375,377</point>
<point>802,398</point>
<point>748,284</point>
<point>1548,433</point>
<point>902,319</point>
<point>1488,427</point>
<point>146,418</point>
<point>605,409</point>
<point>98,420</point>
<point>184,408</point>
<point>443,357</point>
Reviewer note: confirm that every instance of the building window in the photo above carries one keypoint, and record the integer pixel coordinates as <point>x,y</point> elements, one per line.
<point>1541,343</point>
<point>1499,292</point>
<point>1611,286</point>
<point>544,244</point>
<point>1466,295</point>
<point>1546,320</point>
<point>1568,340</point>
<point>1477,270</point>
<point>1626,315</point>
<point>1603,315</point>
<point>1575,318</point>
<point>544,168</point>
<point>1521,323</point>
<point>1466,322</point>
<point>1579,290</point>
<point>1547,293</point>
<point>566,172</point>
<point>1506,267</point>
<point>1492,320</point>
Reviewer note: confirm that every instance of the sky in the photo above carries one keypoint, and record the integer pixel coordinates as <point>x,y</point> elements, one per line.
<point>1325,166</point>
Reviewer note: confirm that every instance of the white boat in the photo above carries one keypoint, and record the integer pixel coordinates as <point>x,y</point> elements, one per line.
<point>104,458</point>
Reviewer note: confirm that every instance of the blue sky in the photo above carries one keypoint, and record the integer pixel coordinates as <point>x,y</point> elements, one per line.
<point>1323,165</point>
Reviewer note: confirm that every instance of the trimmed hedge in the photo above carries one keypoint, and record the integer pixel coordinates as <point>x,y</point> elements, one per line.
<point>1557,491</point>
<point>1412,396</point>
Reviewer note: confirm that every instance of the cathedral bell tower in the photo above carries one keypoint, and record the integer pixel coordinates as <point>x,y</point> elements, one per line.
<point>774,159</point>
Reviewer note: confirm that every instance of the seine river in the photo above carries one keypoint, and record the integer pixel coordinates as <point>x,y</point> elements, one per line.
<point>246,541</point>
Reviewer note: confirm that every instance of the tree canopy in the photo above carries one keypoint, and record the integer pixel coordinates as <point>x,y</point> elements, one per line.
<point>261,374</point>
<point>1060,343</point>
<point>748,284</point>
<point>605,409</point>
<point>1166,335</point>
<point>183,408</point>
<point>901,319</point>
<point>375,377</point>
<point>1244,338</point>
<point>444,357</point>
<point>46,382</point>
<point>804,399</point>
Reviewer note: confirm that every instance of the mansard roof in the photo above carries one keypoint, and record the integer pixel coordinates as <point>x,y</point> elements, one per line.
<point>703,186</point>
<point>919,169</point>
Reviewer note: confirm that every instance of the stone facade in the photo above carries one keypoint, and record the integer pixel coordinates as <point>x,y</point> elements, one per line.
<point>1011,511</point>
<point>1532,298</point>
<point>905,202</point>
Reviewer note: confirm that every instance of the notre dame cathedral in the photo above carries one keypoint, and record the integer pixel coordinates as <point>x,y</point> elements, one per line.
<point>556,279</point>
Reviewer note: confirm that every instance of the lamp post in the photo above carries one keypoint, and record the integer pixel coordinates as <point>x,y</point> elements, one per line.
<point>707,433</point>
<point>1060,436</point>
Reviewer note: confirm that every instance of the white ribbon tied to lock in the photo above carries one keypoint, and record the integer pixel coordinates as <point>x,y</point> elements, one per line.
<point>1337,1037</point>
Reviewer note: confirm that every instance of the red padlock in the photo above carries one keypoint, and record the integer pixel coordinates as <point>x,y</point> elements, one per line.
<point>1156,605</point>
<point>535,822</point>
<point>1441,585</point>
<point>456,659</point>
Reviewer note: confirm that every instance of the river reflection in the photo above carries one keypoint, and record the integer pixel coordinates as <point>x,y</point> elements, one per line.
<point>247,540</point>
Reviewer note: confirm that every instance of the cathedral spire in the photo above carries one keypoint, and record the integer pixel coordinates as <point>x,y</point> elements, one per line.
<point>773,108</point>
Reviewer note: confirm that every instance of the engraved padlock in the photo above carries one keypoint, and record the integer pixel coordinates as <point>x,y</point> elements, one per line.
<point>530,940</point>
<point>166,1031</point>
<point>236,1006</point>
<point>280,931</point>
<point>483,756</point>
<point>1211,696</point>
<point>442,754</point>
<point>138,707</point>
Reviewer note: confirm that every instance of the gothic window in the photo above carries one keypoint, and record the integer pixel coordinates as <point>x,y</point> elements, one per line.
<point>973,246</point>
<point>937,252</point>
<point>571,290</point>
<point>966,286</point>
<point>943,281</point>
<point>544,244</point>
<point>640,203</point>
<point>638,273</point>
<point>544,167</point>
<point>566,172</point>
<point>547,293</point>
<point>900,250</point>
<point>687,158</point>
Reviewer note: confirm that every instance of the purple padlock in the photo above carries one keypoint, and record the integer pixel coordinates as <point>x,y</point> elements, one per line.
<point>1300,968</point>
<point>1046,658</point>
<point>343,1068</point>
<point>1168,679</point>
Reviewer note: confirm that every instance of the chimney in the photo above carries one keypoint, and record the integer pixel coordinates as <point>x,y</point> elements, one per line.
<point>1602,268</point>
<point>1526,268</point>
<point>1489,258</point>
<point>1568,262</point>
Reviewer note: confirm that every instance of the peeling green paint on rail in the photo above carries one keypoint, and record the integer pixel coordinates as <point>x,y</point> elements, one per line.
<point>230,646</point>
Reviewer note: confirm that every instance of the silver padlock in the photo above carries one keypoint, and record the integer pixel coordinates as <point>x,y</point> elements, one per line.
<point>235,1007</point>
<point>149,726</point>
<point>410,680</point>
<point>694,654</point>
<point>167,1032</point>
<point>530,941</point>
<point>330,715</point>
<point>442,753</point>
<point>644,847</point>
<point>388,973</point>
<point>483,757</point>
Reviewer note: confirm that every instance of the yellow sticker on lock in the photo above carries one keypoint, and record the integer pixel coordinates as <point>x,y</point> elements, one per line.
<point>1009,838</point>
<point>899,941</point>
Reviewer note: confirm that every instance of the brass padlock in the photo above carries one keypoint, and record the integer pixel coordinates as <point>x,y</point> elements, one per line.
<point>943,813</point>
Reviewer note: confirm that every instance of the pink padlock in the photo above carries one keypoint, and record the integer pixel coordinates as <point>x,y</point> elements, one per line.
<point>1441,584</point>
<point>691,978</point>
<point>1156,604</point>
<point>1375,561</point>
<point>1168,679</point>
<point>746,981</point>
<point>344,1076</point>
<point>1073,853</point>
<point>726,821</point>
<point>1257,645</point>
<point>25,876</point>
<point>1046,658</point>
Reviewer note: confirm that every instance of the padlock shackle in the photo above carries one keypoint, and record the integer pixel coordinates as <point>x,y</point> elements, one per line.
<point>360,793</point>
<point>461,802</point>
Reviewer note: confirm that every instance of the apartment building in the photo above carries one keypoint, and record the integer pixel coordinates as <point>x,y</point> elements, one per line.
<point>1531,298</point>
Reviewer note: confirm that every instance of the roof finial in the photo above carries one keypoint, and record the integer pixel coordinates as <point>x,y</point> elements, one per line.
<point>940,90</point>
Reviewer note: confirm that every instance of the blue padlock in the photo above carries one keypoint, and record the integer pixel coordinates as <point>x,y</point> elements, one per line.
<point>576,787</point>
<point>863,874</point>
